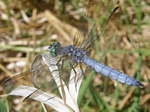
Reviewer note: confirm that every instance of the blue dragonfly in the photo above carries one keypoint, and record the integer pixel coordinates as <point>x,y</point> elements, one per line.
<point>68,58</point>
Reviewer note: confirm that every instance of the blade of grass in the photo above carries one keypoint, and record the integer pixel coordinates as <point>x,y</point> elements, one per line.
<point>84,87</point>
<point>3,107</point>
<point>22,49</point>
<point>8,12</point>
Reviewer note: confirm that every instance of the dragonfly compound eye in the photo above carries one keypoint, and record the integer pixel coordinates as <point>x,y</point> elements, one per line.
<point>54,48</point>
<point>52,51</point>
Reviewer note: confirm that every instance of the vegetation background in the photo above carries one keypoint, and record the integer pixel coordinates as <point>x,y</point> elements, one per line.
<point>29,27</point>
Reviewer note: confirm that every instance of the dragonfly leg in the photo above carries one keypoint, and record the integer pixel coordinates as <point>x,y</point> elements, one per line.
<point>71,65</point>
<point>59,60</point>
<point>62,65</point>
<point>82,73</point>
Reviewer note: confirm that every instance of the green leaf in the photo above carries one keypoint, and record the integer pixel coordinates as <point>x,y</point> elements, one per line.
<point>3,107</point>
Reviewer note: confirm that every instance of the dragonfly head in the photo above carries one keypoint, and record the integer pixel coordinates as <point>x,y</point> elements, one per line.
<point>54,49</point>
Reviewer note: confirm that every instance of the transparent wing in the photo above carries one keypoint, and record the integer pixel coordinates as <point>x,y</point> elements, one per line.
<point>90,35</point>
<point>81,36</point>
<point>47,73</point>
<point>90,39</point>
<point>36,77</point>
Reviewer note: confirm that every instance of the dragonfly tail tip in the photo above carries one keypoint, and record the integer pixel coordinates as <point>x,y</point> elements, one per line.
<point>140,85</point>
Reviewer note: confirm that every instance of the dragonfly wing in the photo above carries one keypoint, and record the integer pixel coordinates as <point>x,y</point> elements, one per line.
<point>60,77</point>
<point>36,77</point>
<point>93,34</point>
<point>63,73</point>
<point>47,73</point>
<point>87,34</point>
<point>21,79</point>
<point>82,37</point>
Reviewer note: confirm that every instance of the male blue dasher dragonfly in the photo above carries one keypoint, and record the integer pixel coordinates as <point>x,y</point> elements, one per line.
<point>68,58</point>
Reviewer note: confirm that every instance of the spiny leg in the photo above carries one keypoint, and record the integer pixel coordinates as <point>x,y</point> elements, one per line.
<point>61,59</point>
<point>71,65</point>
<point>82,72</point>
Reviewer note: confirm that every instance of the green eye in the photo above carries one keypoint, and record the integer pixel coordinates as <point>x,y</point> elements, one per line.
<point>52,51</point>
<point>54,48</point>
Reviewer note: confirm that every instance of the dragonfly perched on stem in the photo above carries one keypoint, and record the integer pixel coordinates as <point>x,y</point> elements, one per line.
<point>67,59</point>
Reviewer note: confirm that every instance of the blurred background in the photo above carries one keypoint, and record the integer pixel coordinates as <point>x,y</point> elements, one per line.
<point>28,27</point>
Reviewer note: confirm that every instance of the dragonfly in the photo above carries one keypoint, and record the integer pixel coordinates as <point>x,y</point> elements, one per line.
<point>64,59</point>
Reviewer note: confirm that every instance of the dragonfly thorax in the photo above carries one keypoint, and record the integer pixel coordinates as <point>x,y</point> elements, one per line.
<point>75,53</point>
